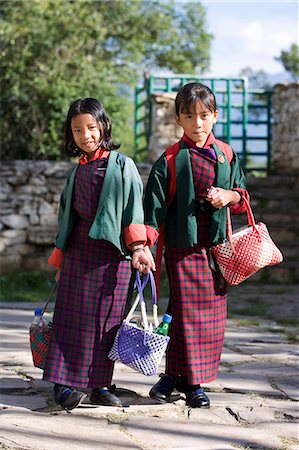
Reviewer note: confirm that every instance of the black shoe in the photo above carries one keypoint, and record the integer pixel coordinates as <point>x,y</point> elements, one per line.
<point>104,397</point>
<point>68,398</point>
<point>162,390</point>
<point>196,398</point>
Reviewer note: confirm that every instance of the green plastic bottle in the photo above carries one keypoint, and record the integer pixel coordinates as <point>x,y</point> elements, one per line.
<point>163,328</point>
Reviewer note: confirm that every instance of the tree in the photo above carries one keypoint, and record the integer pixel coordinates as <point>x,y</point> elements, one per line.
<point>55,51</point>
<point>257,79</point>
<point>290,60</point>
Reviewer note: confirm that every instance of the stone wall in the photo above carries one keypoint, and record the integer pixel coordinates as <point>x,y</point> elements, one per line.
<point>285,129</point>
<point>30,192</point>
<point>29,196</point>
<point>165,131</point>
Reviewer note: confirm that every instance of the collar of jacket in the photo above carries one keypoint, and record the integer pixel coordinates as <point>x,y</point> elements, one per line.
<point>99,153</point>
<point>209,142</point>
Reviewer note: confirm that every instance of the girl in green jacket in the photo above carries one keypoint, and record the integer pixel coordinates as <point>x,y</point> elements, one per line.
<point>188,192</point>
<point>101,234</point>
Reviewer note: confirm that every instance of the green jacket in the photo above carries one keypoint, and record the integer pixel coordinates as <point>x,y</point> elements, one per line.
<point>179,218</point>
<point>120,204</point>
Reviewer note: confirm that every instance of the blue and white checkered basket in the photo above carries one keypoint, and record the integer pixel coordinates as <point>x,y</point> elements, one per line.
<point>140,348</point>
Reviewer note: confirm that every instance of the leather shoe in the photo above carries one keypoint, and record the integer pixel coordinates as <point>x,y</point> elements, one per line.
<point>162,390</point>
<point>67,397</point>
<point>104,397</point>
<point>197,399</point>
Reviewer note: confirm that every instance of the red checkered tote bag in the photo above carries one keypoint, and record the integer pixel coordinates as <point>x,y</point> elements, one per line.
<point>246,250</point>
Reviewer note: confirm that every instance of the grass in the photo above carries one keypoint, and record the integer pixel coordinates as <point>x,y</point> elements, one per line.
<point>292,337</point>
<point>251,306</point>
<point>286,320</point>
<point>25,286</point>
<point>249,321</point>
<point>32,286</point>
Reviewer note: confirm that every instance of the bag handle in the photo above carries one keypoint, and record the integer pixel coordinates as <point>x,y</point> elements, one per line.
<point>250,220</point>
<point>141,286</point>
<point>50,296</point>
<point>140,298</point>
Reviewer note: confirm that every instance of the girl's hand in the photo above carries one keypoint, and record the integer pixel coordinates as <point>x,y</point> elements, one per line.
<point>152,263</point>
<point>140,260</point>
<point>219,197</point>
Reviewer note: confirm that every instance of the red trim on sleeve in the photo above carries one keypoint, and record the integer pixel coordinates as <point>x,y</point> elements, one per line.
<point>152,235</point>
<point>240,207</point>
<point>135,232</point>
<point>56,258</point>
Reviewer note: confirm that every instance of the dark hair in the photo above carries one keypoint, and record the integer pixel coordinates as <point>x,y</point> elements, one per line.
<point>97,110</point>
<point>192,93</point>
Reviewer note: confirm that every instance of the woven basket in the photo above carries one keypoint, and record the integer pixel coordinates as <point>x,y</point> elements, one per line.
<point>39,341</point>
<point>246,251</point>
<point>40,338</point>
<point>136,347</point>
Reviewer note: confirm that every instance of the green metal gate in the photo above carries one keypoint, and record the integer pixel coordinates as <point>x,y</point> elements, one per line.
<point>244,116</point>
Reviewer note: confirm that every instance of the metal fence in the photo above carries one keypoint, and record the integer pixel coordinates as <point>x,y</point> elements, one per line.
<point>244,116</point>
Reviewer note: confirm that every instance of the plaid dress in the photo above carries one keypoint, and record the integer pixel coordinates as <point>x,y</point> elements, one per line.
<point>197,299</point>
<point>91,297</point>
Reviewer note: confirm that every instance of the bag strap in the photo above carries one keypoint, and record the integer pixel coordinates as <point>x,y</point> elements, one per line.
<point>140,299</point>
<point>50,296</point>
<point>130,294</point>
<point>250,220</point>
<point>141,286</point>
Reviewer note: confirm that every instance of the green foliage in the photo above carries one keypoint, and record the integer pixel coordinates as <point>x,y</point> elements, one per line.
<point>53,52</point>
<point>30,286</point>
<point>290,60</point>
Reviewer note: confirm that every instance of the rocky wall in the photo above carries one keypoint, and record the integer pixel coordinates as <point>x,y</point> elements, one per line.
<point>29,196</point>
<point>285,128</point>
<point>30,192</point>
<point>165,131</point>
